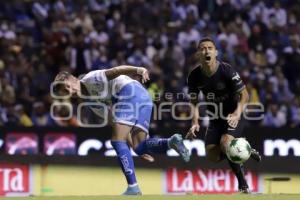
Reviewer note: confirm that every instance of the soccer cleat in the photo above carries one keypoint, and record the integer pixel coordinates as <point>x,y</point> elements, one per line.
<point>176,143</point>
<point>133,190</point>
<point>255,155</point>
<point>244,190</point>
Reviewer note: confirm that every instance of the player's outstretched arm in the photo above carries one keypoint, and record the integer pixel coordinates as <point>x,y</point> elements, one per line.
<point>127,70</point>
<point>234,117</point>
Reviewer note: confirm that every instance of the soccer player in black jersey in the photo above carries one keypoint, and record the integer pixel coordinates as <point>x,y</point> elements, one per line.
<point>225,96</point>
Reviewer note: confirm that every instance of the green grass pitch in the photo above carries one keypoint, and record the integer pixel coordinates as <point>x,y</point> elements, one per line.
<point>169,197</point>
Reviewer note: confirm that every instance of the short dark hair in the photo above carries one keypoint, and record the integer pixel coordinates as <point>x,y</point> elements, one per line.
<point>206,39</point>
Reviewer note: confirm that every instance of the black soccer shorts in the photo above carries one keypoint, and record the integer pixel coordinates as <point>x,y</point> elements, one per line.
<point>218,127</point>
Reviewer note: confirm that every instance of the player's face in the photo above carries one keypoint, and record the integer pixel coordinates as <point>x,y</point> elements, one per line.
<point>70,86</point>
<point>207,52</point>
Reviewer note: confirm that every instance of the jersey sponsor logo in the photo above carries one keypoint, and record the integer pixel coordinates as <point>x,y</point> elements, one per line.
<point>236,77</point>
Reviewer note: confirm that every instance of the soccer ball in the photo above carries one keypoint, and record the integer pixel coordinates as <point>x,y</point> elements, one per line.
<point>239,150</point>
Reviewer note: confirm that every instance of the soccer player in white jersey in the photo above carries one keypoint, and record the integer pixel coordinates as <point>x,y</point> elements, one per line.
<point>131,112</point>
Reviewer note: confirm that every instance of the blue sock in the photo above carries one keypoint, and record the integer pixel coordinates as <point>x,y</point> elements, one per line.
<point>152,145</point>
<point>125,160</point>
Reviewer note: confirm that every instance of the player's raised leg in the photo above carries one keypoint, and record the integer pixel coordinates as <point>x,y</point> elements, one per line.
<point>216,147</point>
<point>119,143</point>
<point>238,169</point>
<point>133,106</point>
<point>153,145</point>
<point>150,146</point>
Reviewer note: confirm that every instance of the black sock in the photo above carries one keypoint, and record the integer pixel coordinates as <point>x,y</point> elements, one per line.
<point>238,170</point>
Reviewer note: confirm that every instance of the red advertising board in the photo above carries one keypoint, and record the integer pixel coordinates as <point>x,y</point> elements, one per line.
<point>14,180</point>
<point>211,181</point>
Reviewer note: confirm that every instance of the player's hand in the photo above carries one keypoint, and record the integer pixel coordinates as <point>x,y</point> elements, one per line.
<point>191,134</point>
<point>147,157</point>
<point>144,73</point>
<point>233,120</point>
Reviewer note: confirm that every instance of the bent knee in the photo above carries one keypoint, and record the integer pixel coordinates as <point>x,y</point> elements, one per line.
<point>139,148</point>
<point>135,145</point>
<point>225,140</point>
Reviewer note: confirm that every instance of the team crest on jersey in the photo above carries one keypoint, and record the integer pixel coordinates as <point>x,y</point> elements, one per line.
<point>236,77</point>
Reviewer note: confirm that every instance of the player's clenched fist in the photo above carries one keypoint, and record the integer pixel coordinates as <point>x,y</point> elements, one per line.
<point>192,132</point>
<point>233,120</point>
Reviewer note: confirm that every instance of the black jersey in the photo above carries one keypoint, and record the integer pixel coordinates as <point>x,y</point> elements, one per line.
<point>221,88</point>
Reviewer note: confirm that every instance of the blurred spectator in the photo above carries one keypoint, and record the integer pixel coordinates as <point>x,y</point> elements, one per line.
<point>174,53</point>
<point>79,57</point>
<point>65,118</point>
<point>258,57</point>
<point>284,92</point>
<point>253,94</point>
<point>187,36</point>
<point>7,92</point>
<point>292,63</point>
<point>40,117</point>
<point>3,115</point>
<point>277,15</point>
<point>24,119</point>
<point>41,80</point>
<point>274,117</point>
<point>26,93</point>
<point>225,51</point>
<point>39,38</point>
<point>272,52</point>
<point>295,112</point>
<point>11,117</point>
<point>139,59</point>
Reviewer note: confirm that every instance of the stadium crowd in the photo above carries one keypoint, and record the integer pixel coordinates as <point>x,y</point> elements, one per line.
<point>261,39</point>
